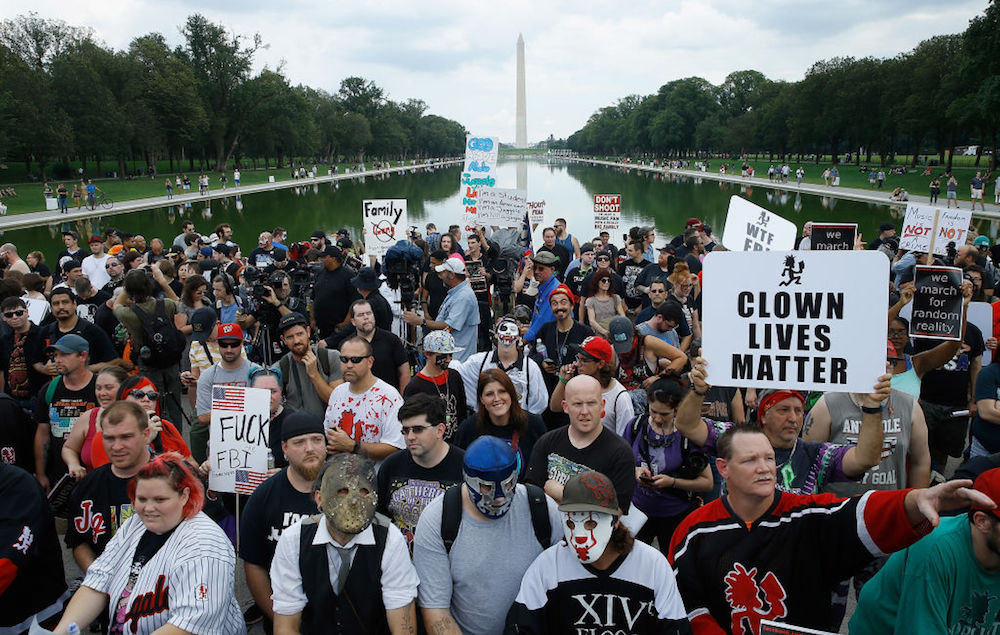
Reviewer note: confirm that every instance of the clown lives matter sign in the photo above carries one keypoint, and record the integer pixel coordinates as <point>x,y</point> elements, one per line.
<point>803,319</point>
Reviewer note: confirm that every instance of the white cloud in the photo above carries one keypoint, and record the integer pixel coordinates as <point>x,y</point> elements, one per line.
<point>580,56</point>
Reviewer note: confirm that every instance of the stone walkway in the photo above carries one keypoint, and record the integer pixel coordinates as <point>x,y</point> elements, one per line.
<point>50,217</point>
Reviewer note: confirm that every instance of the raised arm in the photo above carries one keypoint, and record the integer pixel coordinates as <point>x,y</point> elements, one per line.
<point>868,451</point>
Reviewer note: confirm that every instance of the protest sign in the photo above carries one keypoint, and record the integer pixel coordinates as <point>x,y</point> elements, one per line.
<point>537,209</point>
<point>926,222</point>
<point>384,222</point>
<point>767,627</point>
<point>239,438</point>
<point>478,173</point>
<point>750,227</point>
<point>607,211</point>
<point>501,207</point>
<point>795,320</point>
<point>937,303</point>
<point>833,236</point>
<point>476,275</point>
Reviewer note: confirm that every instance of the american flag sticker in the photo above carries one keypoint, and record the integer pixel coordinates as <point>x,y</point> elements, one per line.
<point>248,480</point>
<point>227,398</point>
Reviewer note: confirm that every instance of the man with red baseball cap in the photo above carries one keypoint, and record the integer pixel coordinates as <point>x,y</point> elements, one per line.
<point>951,577</point>
<point>231,370</point>
<point>595,357</point>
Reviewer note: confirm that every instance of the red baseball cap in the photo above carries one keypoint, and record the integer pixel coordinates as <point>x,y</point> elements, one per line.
<point>95,239</point>
<point>564,290</point>
<point>691,222</point>
<point>596,347</point>
<point>229,332</point>
<point>988,483</point>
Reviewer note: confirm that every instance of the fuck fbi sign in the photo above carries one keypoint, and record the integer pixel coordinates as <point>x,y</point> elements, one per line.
<point>795,319</point>
<point>937,303</point>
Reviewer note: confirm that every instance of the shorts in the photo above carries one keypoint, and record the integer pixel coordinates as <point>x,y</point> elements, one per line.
<point>977,193</point>
<point>952,194</point>
<point>945,433</point>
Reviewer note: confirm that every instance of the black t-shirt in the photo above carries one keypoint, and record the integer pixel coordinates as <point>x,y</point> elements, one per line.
<point>332,296</point>
<point>32,353</point>
<point>469,432</point>
<point>381,309</point>
<point>87,307</point>
<point>389,354</point>
<point>274,436</point>
<point>630,271</point>
<point>17,436</point>
<point>77,255</point>
<point>450,388</point>
<point>63,411</point>
<point>101,349</point>
<point>43,270</point>
<point>574,279</point>
<point>405,488</point>
<point>559,347</point>
<point>949,384</point>
<point>555,458</point>
<point>436,292</point>
<point>273,507</point>
<point>98,507</point>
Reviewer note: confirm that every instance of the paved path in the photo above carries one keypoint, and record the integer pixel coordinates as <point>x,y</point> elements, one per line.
<point>35,219</point>
<point>880,197</point>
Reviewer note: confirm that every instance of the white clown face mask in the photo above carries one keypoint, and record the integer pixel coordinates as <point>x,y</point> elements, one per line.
<point>588,533</point>
<point>507,333</point>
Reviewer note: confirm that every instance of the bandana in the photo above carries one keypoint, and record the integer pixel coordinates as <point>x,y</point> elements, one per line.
<point>772,398</point>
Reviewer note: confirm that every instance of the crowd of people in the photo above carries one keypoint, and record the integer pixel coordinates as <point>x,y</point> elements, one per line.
<point>475,435</point>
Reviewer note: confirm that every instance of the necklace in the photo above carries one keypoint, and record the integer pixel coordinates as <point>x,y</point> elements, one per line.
<point>560,347</point>
<point>787,471</point>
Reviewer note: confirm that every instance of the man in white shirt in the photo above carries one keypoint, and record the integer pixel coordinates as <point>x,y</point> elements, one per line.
<point>93,265</point>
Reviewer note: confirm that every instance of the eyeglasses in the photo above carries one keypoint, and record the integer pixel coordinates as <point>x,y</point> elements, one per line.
<point>657,290</point>
<point>584,359</point>
<point>414,429</point>
<point>897,332</point>
<point>152,395</point>
<point>357,359</point>
<point>230,343</point>
<point>14,314</point>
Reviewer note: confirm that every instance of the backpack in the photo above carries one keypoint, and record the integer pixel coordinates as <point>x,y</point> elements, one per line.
<point>165,342</point>
<point>451,515</point>
<point>285,365</point>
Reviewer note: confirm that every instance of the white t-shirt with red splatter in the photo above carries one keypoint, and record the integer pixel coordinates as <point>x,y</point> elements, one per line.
<point>370,417</point>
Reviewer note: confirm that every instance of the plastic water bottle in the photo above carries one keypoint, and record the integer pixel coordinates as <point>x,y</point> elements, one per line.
<point>270,459</point>
<point>540,348</point>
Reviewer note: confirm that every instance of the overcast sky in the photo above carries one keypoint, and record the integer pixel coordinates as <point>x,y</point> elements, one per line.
<point>459,57</point>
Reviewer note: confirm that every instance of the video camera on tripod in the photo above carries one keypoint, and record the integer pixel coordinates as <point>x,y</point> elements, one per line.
<point>401,267</point>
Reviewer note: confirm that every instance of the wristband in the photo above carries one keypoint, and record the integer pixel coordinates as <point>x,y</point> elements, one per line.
<point>871,410</point>
<point>562,380</point>
<point>357,447</point>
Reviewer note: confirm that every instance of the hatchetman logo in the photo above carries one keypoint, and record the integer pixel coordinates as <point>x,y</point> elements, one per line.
<point>201,592</point>
<point>747,602</point>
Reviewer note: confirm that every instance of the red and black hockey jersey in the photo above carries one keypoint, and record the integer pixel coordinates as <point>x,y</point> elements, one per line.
<point>783,566</point>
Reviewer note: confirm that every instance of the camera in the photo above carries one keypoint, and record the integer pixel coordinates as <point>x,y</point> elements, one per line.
<point>254,279</point>
<point>401,267</point>
<point>692,465</point>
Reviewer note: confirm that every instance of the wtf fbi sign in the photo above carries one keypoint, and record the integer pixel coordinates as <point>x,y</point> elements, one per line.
<point>795,319</point>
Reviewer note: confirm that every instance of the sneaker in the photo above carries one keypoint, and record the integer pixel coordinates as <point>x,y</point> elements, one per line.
<point>253,615</point>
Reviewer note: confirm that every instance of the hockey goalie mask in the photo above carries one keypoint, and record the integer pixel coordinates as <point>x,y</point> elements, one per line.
<point>507,332</point>
<point>490,472</point>
<point>590,511</point>
<point>588,533</point>
<point>348,493</point>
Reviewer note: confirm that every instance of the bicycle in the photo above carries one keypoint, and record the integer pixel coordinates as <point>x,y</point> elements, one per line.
<point>103,200</point>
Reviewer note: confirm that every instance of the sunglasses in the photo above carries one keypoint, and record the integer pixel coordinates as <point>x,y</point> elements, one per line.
<point>230,343</point>
<point>357,359</point>
<point>414,429</point>
<point>604,258</point>
<point>152,395</point>
<point>112,264</point>
<point>13,314</point>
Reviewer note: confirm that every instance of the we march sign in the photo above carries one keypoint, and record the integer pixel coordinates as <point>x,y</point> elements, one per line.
<point>796,320</point>
<point>750,227</point>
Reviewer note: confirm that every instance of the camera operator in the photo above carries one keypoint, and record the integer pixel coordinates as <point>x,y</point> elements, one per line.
<point>367,283</point>
<point>269,301</point>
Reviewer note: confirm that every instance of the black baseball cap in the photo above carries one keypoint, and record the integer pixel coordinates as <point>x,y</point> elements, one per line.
<point>319,233</point>
<point>333,251</point>
<point>290,320</point>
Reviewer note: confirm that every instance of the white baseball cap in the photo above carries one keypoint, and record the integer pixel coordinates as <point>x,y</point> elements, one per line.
<point>455,264</point>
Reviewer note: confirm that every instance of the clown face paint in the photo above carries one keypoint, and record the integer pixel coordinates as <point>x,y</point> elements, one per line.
<point>588,533</point>
<point>349,494</point>
<point>492,497</point>
<point>507,333</point>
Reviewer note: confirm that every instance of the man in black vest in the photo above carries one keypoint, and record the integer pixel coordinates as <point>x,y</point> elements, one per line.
<point>325,567</point>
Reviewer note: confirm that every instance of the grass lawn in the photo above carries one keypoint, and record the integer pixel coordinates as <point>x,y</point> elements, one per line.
<point>30,199</point>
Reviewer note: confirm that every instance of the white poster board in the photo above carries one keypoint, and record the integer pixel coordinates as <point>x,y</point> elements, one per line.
<point>796,320</point>
<point>750,227</point>
<point>607,211</point>
<point>479,172</point>
<point>385,222</point>
<point>537,210</point>
<point>502,207</point>
<point>924,221</point>
<point>239,438</point>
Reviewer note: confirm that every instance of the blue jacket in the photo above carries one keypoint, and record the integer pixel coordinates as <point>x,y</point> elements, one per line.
<point>543,311</point>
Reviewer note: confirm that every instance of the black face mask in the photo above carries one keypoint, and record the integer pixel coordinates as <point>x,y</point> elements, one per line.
<point>442,361</point>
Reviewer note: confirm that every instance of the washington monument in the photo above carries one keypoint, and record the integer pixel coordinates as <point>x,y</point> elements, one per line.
<point>521,137</point>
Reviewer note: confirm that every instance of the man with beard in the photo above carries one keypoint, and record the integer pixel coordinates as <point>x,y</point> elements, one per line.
<point>308,373</point>
<point>18,352</point>
<point>332,293</point>
<point>62,304</point>
<point>279,502</point>
<point>116,275</point>
<point>391,363</point>
<point>507,355</point>
<point>630,270</point>
<point>347,569</point>
<point>559,339</point>
<point>100,503</point>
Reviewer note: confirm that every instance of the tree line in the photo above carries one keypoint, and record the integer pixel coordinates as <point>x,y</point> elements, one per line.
<point>65,96</point>
<point>942,94</point>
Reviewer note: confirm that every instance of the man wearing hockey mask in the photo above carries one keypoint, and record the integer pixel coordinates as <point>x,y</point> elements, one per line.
<point>326,566</point>
<point>508,356</point>
<point>455,546</point>
<point>597,559</point>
